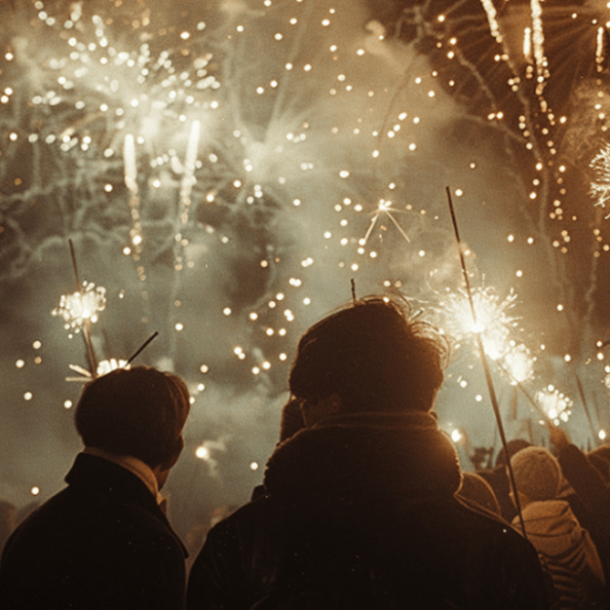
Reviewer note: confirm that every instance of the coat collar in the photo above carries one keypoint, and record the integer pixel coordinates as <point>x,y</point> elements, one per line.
<point>134,465</point>
<point>97,475</point>
<point>349,463</point>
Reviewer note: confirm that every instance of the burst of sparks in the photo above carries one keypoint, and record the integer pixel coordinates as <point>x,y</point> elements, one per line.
<point>519,364</point>
<point>112,364</point>
<point>555,404</point>
<point>494,322</point>
<point>81,307</point>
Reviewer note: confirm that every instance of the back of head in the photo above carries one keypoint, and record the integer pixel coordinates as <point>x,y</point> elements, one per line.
<point>515,445</point>
<point>537,473</point>
<point>138,412</point>
<point>373,356</point>
<point>477,489</point>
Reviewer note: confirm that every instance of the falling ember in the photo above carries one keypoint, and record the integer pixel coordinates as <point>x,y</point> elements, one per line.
<point>599,48</point>
<point>81,307</point>
<point>527,45</point>
<point>600,187</point>
<point>557,406</point>
<point>494,28</point>
<point>188,177</point>
<point>129,159</point>
<point>538,41</point>
<point>131,182</point>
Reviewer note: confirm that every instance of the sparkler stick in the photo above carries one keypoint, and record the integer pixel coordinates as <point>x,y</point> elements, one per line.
<point>519,385</point>
<point>488,379</point>
<point>353,290</point>
<point>585,405</point>
<point>143,347</point>
<point>87,324</point>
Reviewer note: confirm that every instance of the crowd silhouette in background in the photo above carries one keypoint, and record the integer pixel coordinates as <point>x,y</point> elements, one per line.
<point>364,504</point>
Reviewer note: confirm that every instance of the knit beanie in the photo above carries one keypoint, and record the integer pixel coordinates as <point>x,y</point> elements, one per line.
<point>537,473</point>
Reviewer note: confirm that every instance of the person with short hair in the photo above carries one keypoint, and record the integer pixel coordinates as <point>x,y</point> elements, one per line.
<point>359,508</point>
<point>104,541</point>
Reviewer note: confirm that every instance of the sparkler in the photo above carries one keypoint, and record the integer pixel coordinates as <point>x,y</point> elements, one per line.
<point>79,310</point>
<point>488,378</point>
<point>82,307</point>
<point>493,321</point>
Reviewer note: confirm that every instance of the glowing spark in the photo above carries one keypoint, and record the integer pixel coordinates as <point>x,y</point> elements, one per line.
<point>599,49</point>
<point>81,307</point>
<point>527,45</point>
<point>519,364</point>
<point>538,41</point>
<point>600,187</point>
<point>490,9</point>
<point>129,159</point>
<point>383,208</point>
<point>556,405</point>
<point>105,366</point>
<point>493,320</point>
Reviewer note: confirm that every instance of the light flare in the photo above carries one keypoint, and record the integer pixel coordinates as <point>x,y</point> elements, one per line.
<point>556,405</point>
<point>81,307</point>
<point>493,319</point>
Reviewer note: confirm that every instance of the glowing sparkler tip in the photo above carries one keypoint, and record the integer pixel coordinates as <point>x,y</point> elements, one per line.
<point>81,307</point>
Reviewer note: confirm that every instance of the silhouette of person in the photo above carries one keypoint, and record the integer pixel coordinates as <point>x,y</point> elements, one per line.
<point>103,542</point>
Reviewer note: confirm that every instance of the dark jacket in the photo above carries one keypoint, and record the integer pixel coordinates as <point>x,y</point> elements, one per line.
<point>102,543</point>
<point>360,512</point>
<point>591,504</point>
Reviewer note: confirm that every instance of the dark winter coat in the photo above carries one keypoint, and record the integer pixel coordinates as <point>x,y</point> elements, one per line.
<point>102,543</point>
<point>360,513</point>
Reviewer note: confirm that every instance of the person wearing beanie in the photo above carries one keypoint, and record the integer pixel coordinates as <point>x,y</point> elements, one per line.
<point>565,549</point>
<point>360,508</point>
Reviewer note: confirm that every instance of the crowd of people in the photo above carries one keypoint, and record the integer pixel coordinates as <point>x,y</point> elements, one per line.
<point>363,506</point>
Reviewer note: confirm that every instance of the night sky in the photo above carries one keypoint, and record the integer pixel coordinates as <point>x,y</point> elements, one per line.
<point>225,169</point>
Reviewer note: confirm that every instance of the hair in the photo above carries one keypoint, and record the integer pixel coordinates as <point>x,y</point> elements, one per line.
<point>476,488</point>
<point>374,356</point>
<point>138,412</point>
<point>514,446</point>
